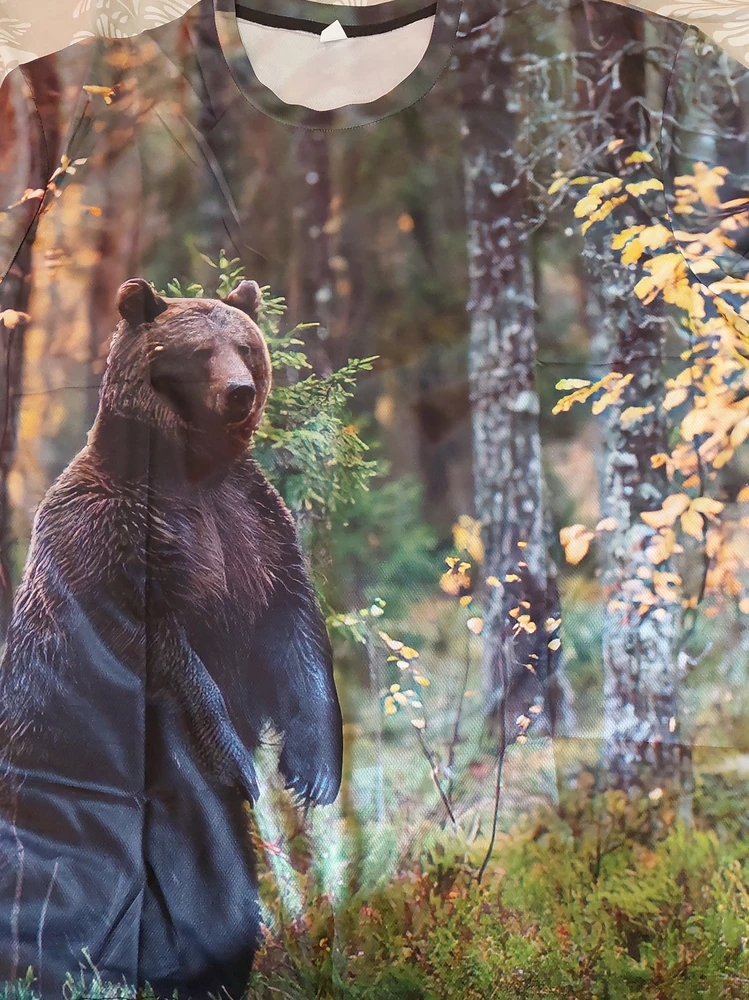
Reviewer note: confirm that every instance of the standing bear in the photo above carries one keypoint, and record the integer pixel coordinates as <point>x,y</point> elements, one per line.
<point>164,622</point>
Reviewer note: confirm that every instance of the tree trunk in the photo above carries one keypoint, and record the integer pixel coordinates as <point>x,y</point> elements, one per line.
<point>641,743</point>
<point>41,105</point>
<point>508,476</point>
<point>312,292</point>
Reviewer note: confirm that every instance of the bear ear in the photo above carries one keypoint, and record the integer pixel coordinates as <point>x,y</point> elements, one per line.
<point>247,297</point>
<point>138,302</point>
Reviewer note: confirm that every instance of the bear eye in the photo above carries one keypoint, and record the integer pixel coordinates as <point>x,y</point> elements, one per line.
<point>244,350</point>
<point>202,353</point>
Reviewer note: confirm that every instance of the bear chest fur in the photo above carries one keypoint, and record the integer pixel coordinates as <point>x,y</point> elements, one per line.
<point>211,549</point>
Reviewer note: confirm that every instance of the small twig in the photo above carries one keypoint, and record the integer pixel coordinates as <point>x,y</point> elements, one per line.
<point>497,790</point>
<point>456,726</point>
<point>502,747</point>
<point>435,776</point>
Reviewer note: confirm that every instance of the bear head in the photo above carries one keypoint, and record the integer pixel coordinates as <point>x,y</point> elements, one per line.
<point>196,372</point>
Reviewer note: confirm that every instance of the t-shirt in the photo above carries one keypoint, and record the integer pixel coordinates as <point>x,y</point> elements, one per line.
<point>374,402</point>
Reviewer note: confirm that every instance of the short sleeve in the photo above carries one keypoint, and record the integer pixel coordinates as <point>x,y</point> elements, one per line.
<point>24,169</point>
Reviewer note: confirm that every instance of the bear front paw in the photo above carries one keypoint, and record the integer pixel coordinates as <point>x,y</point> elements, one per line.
<point>311,777</point>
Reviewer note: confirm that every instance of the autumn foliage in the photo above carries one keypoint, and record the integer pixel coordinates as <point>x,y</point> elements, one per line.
<point>679,254</point>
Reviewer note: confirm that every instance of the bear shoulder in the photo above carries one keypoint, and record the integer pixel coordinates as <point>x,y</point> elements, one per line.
<point>82,525</point>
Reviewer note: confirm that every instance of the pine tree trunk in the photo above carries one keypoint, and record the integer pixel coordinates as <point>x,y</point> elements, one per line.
<point>312,293</point>
<point>15,289</point>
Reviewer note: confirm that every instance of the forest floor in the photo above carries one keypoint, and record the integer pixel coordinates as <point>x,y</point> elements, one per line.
<point>586,896</point>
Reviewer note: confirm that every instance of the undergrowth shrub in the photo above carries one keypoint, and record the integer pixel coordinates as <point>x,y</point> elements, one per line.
<point>607,898</point>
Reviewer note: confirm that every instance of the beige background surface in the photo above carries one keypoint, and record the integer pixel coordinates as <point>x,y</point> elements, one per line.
<point>30,28</point>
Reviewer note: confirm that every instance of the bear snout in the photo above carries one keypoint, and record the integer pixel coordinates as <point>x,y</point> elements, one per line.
<point>240,399</point>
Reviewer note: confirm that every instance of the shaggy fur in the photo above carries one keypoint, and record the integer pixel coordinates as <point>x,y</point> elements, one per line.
<point>164,621</point>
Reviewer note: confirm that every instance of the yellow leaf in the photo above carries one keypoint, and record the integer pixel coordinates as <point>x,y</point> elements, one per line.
<point>390,707</point>
<point>633,413</point>
<point>707,506</point>
<point>663,582</point>
<point>578,549</point>
<point>526,624</point>
<point>662,547</point>
<point>622,238</point>
<point>642,187</point>
<point>572,383</point>
<point>555,644</point>
<point>408,653</point>
<point>712,543</point>
<point>105,92</point>
<point>475,625</point>
<point>740,432</point>
<point>607,524</point>
<point>655,237</point>
<point>557,185</point>
<point>691,523</point>
<point>467,536</point>
<point>607,187</point>
<point>390,643</point>
<point>674,397</point>
<point>421,680</point>
<point>632,251</point>
<point>672,507</point>
<point>492,581</point>
<point>418,723</point>
<point>586,205</point>
<point>639,156</point>
<point>512,578</point>
<point>576,541</point>
<point>743,494</point>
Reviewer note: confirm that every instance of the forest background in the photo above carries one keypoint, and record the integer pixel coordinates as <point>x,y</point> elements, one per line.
<point>527,522</point>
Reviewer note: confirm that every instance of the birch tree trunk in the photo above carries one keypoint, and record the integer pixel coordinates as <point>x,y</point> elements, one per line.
<point>508,478</point>
<point>641,742</point>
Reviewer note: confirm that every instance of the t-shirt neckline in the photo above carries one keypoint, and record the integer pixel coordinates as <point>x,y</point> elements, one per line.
<point>362,19</point>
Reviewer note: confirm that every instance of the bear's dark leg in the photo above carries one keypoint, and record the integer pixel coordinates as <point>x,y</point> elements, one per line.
<point>196,695</point>
<point>201,914</point>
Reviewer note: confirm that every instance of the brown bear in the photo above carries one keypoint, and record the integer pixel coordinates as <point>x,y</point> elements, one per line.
<point>164,622</point>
